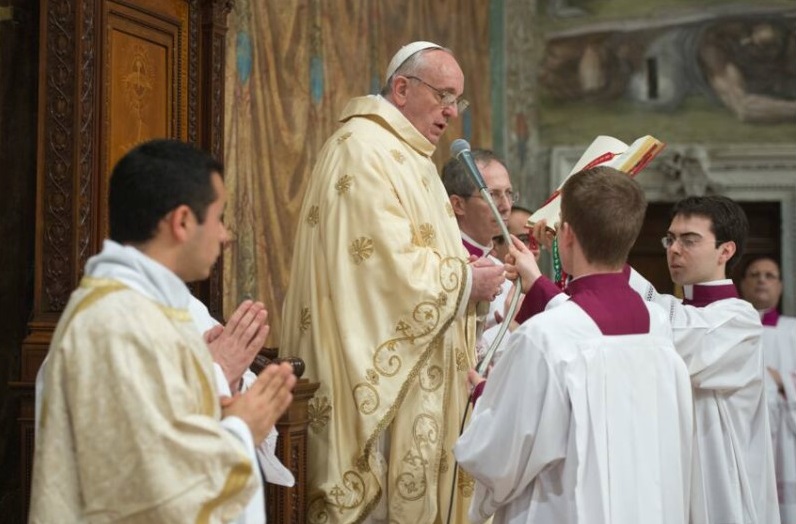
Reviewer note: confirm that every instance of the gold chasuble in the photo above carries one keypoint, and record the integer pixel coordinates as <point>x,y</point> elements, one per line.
<point>377,307</point>
<point>129,427</point>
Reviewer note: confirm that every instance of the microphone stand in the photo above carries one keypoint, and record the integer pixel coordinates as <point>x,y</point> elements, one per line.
<point>483,366</point>
<point>504,326</point>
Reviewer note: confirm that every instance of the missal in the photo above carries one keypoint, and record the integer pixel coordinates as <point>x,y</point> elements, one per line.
<point>603,151</point>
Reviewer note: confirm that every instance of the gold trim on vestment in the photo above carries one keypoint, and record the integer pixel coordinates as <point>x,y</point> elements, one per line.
<point>100,288</point>
<point>209,398</point>
<point>181,315</point>
<point>236,481</point>
<point>321,513</point>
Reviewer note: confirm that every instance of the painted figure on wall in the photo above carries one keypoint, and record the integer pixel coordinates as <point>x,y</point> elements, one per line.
<point>751,67</point>
<point>746,64</point>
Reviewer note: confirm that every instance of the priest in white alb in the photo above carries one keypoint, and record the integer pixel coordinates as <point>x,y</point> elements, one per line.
<point>762,287</point>
<point>718,335</point>
<point>478,226</point>
<point>130,427</point>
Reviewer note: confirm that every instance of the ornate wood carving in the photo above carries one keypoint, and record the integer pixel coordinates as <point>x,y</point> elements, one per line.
<point>75,151</point>
<point>87,241</point>
<point>193,70</point>
<point>214,28</point>
<point>290,504</point>
<point>87,48</point>
<point>55,267</point>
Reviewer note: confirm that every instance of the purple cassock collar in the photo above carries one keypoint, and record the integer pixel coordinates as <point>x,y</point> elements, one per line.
<point>610,301</point>
<point>474,248</point>
<point>769,317</point>
<point>702,295</point>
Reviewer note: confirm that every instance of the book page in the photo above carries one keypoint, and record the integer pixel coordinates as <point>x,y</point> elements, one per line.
<point>603,151</point>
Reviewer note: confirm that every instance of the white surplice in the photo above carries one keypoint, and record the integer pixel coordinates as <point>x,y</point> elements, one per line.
<point>128,422</point>
<point>577,427</point>
<point>733,474</point>
<point>779,352</point>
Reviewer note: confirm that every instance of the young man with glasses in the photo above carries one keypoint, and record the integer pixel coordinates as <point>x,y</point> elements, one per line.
<point>762,286</point>
<point>381,303</point>
<point>719,337</point>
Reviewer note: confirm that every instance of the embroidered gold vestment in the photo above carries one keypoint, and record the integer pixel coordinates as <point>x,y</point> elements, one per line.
<point>377,307</point>
<point>129,428</point>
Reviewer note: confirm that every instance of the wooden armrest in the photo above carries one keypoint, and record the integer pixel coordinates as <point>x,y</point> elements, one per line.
<point>269,356</point>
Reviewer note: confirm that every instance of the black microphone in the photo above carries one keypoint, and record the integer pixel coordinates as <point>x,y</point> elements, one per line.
<point>460,150</point>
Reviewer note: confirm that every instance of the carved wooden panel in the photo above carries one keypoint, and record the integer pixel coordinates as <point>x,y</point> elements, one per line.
<point>286,505</point>
<point>145,72</point>
<point>113,73</point>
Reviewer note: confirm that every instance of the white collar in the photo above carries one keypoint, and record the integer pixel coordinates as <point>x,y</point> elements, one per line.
<point>688,289</point>
<point>469,240</point>
<point>137,271</point>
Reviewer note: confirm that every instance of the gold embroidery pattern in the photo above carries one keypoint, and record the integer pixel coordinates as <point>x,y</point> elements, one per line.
<point>442,299</point>
<point>344,184</point>
<point>431,378</point>
<point>427,234</point>
<point>361,249</point>
<point>367,398</point>
<point>362,464</point>
<point>314,216</point>
<point>316,511</point>
<point>398,156</point>
<point>306,319</point>
<point>424,235</point>
<point>461,360</point>
<point>443,463</point>
<point>372,376</point>
<point>347,495</point>
<point>426,317</point>
<point>412,484</point>
<point>345,136</point>
<point>466,484</point>
<point>449,209</point>
<point>452,271</point>
<point>319,411</point>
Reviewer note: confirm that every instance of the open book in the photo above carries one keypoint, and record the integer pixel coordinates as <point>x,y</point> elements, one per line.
<point>604,151</point>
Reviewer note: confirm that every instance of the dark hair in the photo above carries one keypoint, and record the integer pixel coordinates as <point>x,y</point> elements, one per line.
<point>152,180</point>
<point>455,178</point>
<point>605,209</point>
<point>728,220</point>
<point>757,258</point>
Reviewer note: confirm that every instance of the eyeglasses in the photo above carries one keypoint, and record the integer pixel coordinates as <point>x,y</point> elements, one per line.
<point>496,195</point>
<point>686,241</point>
<point>446,98</point>
<point>765,275</point>
<point>525,238</point>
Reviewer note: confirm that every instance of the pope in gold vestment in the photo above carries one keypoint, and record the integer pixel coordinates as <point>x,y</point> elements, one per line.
<point>378,308</point>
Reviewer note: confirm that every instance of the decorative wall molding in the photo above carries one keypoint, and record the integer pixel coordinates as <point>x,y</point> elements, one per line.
<point>744,172</point>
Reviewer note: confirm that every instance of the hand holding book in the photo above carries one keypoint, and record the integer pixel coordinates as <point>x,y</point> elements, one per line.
<point>603,151</point>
